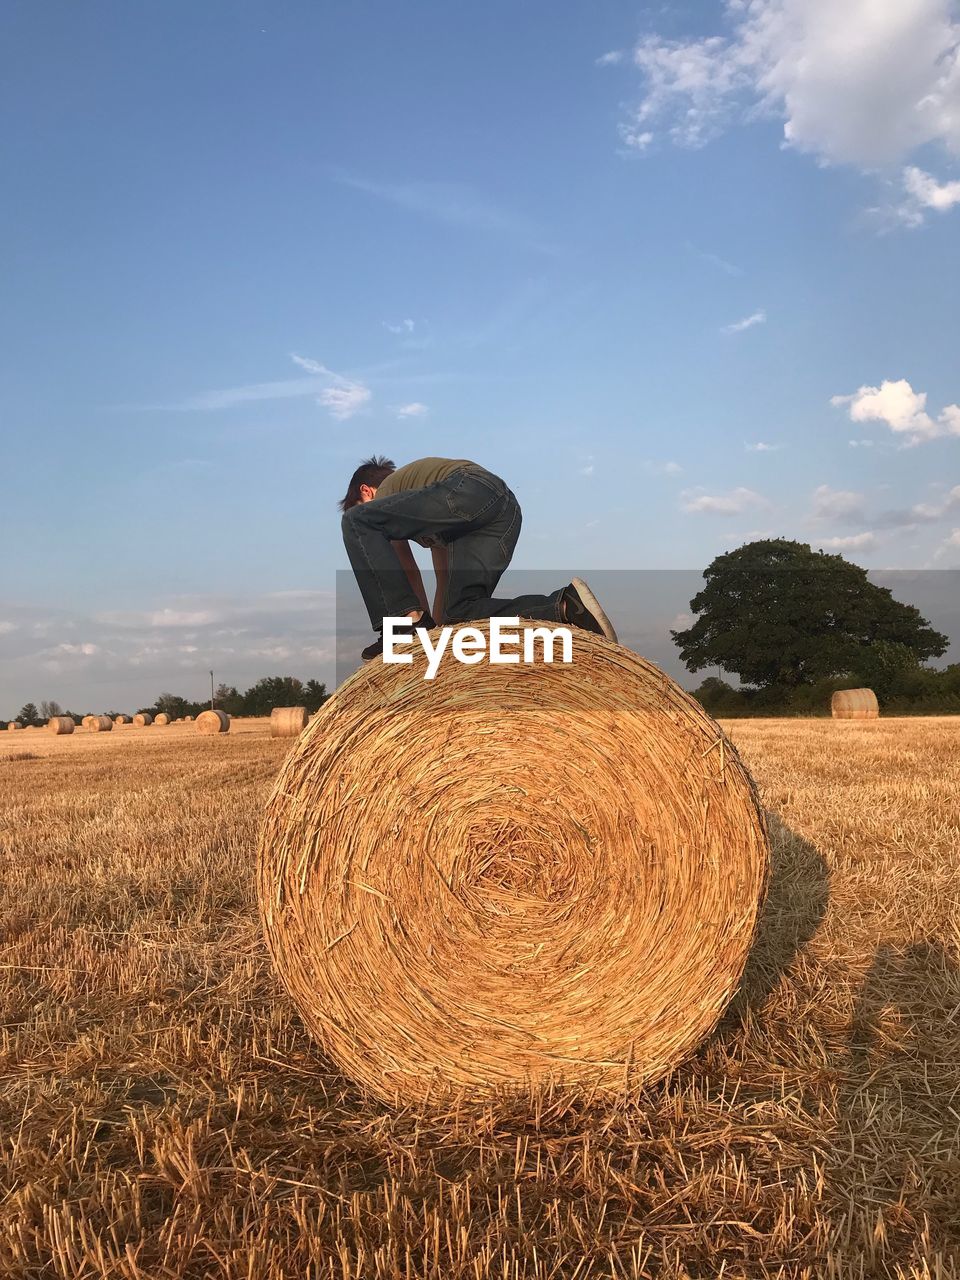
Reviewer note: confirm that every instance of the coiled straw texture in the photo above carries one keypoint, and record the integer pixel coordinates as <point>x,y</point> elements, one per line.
<point>287,722</point>
<point>854,704</point>
<point>511,874</point>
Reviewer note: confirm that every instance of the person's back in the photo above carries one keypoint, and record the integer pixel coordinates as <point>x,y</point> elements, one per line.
<point>470,520</point>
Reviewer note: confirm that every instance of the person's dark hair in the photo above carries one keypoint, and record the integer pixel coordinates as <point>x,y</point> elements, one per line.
<point>372,472</point>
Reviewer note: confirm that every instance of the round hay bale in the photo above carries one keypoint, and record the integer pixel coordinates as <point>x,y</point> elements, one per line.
<point>142,719</point>
<point>120,720</point>
<point>61,724</point>
<point>13,726</point>
<point>100,724</point>
<point>287,722</point>
<point>162,718</point>
<point>213,722</point>
<point>85,722</point>
<point>511,874</point>
<point>854,704</point>
<point>188,719</point>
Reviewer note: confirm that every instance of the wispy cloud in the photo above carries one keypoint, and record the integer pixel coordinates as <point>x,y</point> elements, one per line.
<point>733,503</point>
<point>656,468</point>
<point>415,409</point>
<point>923,194</point>
<point>455,204</point>
<point>750,322</point>
<point>853,542</point>
<point>761,446</point>
<point>345,400</point>
<point>838,504</point>
<point>610,59</point>
<point>714,259</point>
<point>341,395</point>
<point>405,326</point>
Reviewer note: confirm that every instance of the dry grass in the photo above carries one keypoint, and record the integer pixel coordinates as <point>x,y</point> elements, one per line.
<point>163,1114</point>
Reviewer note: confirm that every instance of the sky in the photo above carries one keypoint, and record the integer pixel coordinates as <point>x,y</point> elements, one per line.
<point>684,275</point>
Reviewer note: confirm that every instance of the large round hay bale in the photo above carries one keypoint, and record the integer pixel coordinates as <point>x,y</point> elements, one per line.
<point>61,724</point>
<point>511,874</point>
<point>85,722</point>
<point>100,724</point>
<point>854,704</point>
<point>213,722</point>
<point>142,719</point>
<point>287,722</point>
<point>162,718</point>
<point>121,719</point>
<point>13,726</point>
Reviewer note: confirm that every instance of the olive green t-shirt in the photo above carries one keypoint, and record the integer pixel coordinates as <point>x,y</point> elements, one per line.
<point>417,475</point>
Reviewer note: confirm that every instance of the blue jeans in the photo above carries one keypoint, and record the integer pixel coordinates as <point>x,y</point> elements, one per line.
<point>475,516</point>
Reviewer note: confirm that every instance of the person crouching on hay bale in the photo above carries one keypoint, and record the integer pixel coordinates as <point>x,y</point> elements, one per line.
<point>471,522</point>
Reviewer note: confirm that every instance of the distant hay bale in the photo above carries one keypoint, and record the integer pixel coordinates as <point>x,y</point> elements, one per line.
<point>85,722</point>
<point>188,719</point>
<point>100,724</point>
<point>511,874</point>
<point>120,720</point>
<point>142,719</point>
<point>13,726</point>
<point>854,704</point>
<point>162,718</point>
<point>61,724</point>
<point>213,722</point>
<point>287,722</point>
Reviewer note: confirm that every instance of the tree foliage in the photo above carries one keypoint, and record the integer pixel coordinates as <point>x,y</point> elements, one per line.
<point>781,615</point>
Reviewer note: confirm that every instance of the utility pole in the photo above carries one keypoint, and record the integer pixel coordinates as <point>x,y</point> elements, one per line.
<point>212,707</point>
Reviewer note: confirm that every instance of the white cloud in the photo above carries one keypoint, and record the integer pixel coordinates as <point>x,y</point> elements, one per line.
<point>345,398</point>
<point>696,502</point>
<point>7,627</point>
<point>950,544</point>
<point>862,82</point>
<point>923,193</point>
<point>413,410</point>
<point>405,326</point>
<point>610,59</point>
<point>902,409</point>
<point>761,446</point>
<point>837,504</point>
<point>344,401</point>
<point>860,444</point>
<point>587,470</point>
<point>182,618</point>
<point>855,542</point>
<point>741,326</point>
<point>668,468</point>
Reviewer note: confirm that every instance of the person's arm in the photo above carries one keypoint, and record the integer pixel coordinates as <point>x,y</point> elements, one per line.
<point>440,568</point>
<point>412,570</point>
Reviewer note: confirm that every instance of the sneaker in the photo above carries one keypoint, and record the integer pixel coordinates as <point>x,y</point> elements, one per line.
<point>376,649</point>
<point>580,607</point>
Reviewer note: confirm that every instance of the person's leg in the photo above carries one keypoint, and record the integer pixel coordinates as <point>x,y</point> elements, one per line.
<point>477,560</point>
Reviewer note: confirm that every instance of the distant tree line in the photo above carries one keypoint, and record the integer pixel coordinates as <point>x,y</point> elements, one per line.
<point>258,700</point>
<point>794,625</point>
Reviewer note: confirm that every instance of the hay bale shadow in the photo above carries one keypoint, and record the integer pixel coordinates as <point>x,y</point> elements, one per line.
<point>797,896</point>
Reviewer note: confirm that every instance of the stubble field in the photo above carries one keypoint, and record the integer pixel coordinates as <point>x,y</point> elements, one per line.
<point>163,1114</point>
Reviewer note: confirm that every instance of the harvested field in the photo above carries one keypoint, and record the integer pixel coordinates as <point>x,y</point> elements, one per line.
<point>165,1114</point>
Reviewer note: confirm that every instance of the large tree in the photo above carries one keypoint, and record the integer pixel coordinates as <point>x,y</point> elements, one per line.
<point>778,613</point>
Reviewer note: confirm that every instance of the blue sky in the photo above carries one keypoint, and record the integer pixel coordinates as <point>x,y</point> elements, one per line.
<point>682,274</point>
